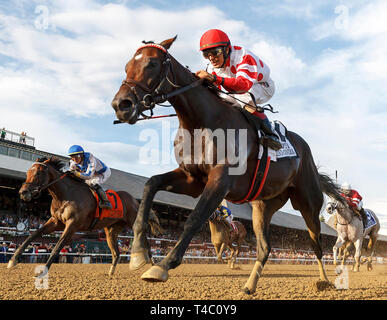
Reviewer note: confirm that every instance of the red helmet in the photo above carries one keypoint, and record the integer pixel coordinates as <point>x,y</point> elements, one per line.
<point>214,38</point>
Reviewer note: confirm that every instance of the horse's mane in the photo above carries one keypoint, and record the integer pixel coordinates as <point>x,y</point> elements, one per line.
<point>54,161</point>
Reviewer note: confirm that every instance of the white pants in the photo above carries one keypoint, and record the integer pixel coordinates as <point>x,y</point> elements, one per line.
<point>99,178</point>
<point>261,94</point>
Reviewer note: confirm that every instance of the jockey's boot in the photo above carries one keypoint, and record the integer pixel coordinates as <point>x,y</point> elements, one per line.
<point>104,202</point>
<point>363,217</point>
<point>270,139</point>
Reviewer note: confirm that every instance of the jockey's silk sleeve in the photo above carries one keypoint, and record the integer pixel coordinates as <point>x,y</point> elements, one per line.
<point>91,165</point>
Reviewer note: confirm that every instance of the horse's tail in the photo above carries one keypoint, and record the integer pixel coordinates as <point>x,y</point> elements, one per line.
<point>330,188</point>
<point>154,224</point>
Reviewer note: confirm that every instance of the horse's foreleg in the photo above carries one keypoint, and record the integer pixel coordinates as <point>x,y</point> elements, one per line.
<point>214,192</point>
<point>358,243</point>
<point>174,181</point>
<point>63,240</point>
<point>339,243</point>
<point>231,255</point>
<point>371,250</point>
<point>50,226</point>
<point>220,252</point>
<point>235,256</point>
<point>112,233</point>
<point>262,213</point>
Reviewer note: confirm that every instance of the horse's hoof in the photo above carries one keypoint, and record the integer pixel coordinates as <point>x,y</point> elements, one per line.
<point>322,285</point>
<point>11,264</point>
<point>138,260</point>
<point>155,274</point>
<point>111,271</point>
<point>247,291</point>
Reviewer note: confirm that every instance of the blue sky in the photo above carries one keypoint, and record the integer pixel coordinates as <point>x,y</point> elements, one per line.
<point>61,63</point>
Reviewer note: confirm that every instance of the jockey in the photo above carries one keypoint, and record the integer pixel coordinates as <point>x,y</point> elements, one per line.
<point>89,168</point>
<point>354,200</point>
<point>240,72</point>
<point>225,214</point>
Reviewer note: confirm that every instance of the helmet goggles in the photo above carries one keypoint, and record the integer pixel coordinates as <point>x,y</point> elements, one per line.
<point>214,52</point>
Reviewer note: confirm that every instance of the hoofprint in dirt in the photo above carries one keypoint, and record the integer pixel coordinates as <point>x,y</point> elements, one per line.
<point>189,282</point>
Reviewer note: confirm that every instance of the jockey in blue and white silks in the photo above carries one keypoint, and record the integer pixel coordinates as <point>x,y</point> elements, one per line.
<point>225,213</point>
<point>86,166</point>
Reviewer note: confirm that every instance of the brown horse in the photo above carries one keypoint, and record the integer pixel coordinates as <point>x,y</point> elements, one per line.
<point>154,76</point>
<point>73,209</point>
<point>222,237</point>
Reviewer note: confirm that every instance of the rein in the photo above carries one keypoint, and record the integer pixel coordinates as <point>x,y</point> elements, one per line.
<point>155,97</point>
<point>54,181</point>
<point>41,188</point>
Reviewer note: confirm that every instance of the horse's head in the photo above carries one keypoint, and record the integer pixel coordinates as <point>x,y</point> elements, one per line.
<point>39,176</point>
<point>146,74</point>
<point>332,206</point>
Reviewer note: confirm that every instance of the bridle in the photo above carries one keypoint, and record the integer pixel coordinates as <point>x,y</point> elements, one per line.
<point>335,207</point>
<point>38,189</point>
<point>155,95</point>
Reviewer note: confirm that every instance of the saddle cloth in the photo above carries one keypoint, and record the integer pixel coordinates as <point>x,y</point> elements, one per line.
<point>370,219</point>
<point>235,228</point>
<point>117,210</point>
<point>287,150</point>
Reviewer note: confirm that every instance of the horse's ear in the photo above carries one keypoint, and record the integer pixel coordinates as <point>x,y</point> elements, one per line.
<point>167,43</point>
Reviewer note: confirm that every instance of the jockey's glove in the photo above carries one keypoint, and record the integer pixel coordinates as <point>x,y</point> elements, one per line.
<point>77,174</point>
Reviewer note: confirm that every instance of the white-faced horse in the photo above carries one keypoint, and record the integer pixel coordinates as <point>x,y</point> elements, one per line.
<point>350,229</point>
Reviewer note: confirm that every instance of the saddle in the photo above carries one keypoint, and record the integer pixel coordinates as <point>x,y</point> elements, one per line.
<point>116,212</point>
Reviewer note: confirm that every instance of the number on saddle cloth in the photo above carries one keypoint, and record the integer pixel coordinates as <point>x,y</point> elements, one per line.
<point>370,219</point>
<point>117,207</point>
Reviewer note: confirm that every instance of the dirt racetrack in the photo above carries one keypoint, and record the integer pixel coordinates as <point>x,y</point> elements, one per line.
<point>187,282</point>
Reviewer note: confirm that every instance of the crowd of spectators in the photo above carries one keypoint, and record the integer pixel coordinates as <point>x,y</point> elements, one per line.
<point>30,222</point>
<point>8,201</point>
<point>290,246</point>
<point>4,135</point>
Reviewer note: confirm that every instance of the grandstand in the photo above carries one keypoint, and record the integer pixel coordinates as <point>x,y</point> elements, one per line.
<point>287,230</point>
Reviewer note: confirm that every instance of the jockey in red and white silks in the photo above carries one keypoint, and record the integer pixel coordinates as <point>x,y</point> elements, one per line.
<point>244,72</point>
<point>354,199</point>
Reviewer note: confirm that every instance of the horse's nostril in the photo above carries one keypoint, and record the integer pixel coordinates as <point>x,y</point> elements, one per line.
<point>124,105</point>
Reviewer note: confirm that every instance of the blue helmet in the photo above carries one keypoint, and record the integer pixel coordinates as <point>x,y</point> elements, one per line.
<point>75,149</point>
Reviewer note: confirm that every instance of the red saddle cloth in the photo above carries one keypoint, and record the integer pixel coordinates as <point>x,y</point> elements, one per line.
<point>117,210</point>
<point>234,227</point>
